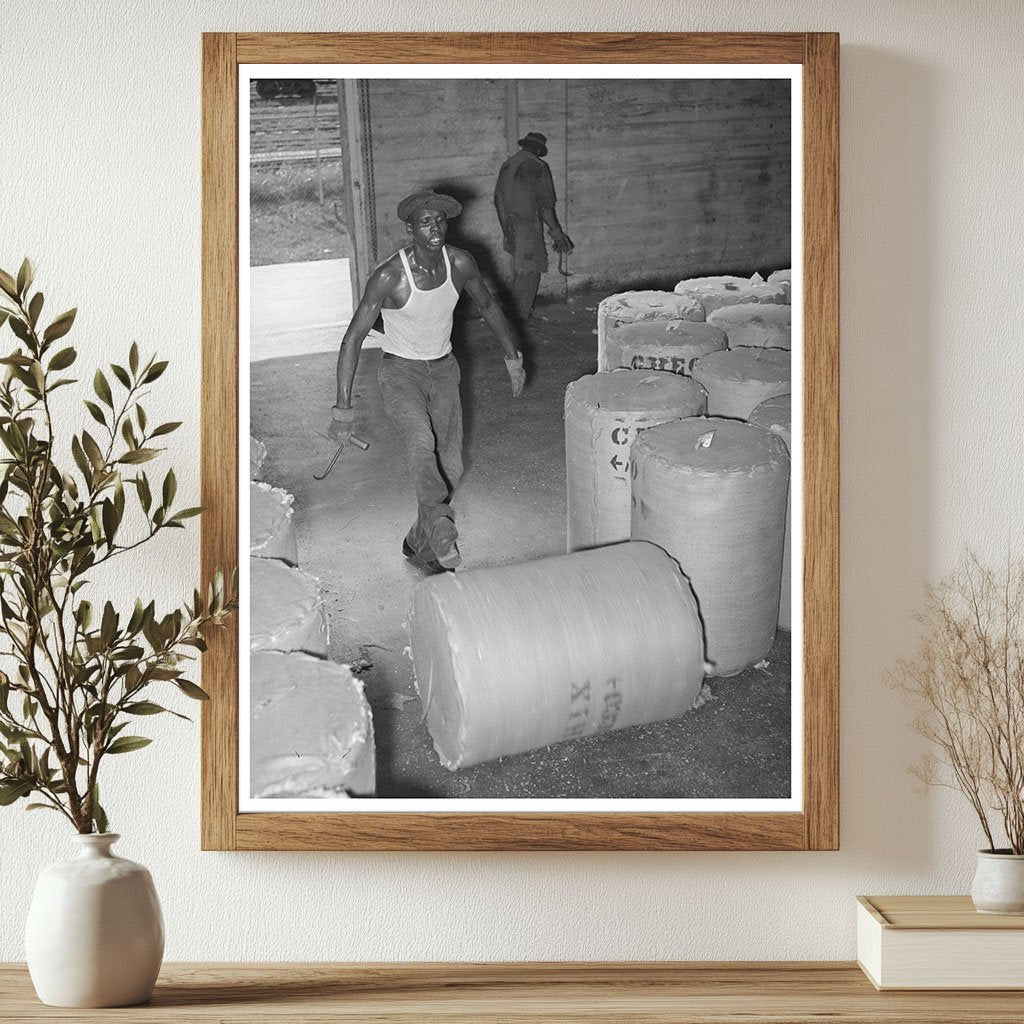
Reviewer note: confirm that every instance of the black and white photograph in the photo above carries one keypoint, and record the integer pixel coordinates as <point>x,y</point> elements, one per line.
<point>520,358</point>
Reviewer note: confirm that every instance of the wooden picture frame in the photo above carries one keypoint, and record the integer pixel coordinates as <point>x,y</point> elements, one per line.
<point>816,826</point>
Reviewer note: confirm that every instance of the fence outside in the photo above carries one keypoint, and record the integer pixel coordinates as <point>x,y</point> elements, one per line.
<point>296,182</point>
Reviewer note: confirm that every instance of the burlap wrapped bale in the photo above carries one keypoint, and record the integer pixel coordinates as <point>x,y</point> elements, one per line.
<point>603,414</point>
<point>715,292</point>
<point>513,658</point>
<point>775,415</point>
<point>739,380</point>
<point>638,307</point>
<point>286,609</point>
<point>784,279</point>
<point>271,530</point>
<point>755,324</point>
<point>670,345</point>
<point>311,731</point>
<point>712,493</point>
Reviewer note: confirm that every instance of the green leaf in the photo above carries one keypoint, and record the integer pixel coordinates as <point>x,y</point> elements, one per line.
<point>26,274</point>
<point>154,372</point>
<point>119,498</point>
<point>63,359</point>
<point>108,627</point>
<point>128,433</point>
<point>186,513</point>
<point>81,461</point>
<point>170,488</point>
<point>126,744</point>
<point>144,707</point>
<point>102,388</point>
<point>133,358</point>
<point>140,415</point>
<point>42,807</point>
<point>35,308</point>
<point>109,521</point>
<point>60,326</point>
<point>92,449</point>
<point>95,412</point>
<point>145,497</point>
<point>139,455</point>
<point>8,284</point>
<point>191,690</point>
<point>14,790</point>
<point>165,428</point>
<point>121,374</point>
<point>99,816</point>
<point>20,329</point>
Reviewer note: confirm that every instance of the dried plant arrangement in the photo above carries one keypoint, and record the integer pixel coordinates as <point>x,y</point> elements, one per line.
<point>80,670</point>
<point>967,682</point>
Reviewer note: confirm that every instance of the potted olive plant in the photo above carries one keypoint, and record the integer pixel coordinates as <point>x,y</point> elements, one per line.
<point>79,671</point>
<point>967,682</point>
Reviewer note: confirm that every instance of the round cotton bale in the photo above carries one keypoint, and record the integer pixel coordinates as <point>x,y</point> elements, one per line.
<point>756,324</point>
<point>775,415</point>
<point>715,292</point>
<point>638,307</point>
<point>271,530</point>
<point>784,279</point>
<point>310,729</point>
<point>739,380</point>
<point>286,609</point>
<point>670,345</point>
<point>603,414</point>
<point>712,493</point>
<point>257,456</point>
<point>517,657</point>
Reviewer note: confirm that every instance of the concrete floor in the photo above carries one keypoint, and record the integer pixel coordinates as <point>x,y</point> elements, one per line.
<point>510,508</point>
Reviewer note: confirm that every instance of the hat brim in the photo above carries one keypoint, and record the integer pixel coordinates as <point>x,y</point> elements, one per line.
<point>446,204</point>
<point>534,144</point>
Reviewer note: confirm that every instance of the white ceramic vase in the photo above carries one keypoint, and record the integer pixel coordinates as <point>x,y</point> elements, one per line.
<point>95,933</point>
<point>999,883</point>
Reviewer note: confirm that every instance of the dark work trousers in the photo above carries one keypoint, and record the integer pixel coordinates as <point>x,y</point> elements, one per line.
<point>421,398</point>
<point>524,290</point>
<point>524,240</point>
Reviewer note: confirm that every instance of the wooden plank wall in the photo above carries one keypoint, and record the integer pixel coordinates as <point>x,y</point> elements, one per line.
<point>677,178</point>
<point>448,135</point>
<point>656,180</point>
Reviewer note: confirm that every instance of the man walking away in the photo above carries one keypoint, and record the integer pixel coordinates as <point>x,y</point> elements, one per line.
<point>415,292</point>
<point>524,197</point>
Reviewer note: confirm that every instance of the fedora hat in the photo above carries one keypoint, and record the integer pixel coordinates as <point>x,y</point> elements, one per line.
<point>534,140</point>
<point>427,199</point>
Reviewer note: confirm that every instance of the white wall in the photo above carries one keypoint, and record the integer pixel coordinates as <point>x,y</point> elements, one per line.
<point>100,183</point>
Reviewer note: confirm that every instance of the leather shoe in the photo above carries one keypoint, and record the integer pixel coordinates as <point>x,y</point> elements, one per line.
<point>431,565</point>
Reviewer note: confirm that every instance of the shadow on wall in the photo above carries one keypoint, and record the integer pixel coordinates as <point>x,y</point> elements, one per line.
<point>888,260</point>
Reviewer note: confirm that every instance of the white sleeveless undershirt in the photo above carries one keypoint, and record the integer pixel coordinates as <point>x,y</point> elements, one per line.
<point>422,328</point>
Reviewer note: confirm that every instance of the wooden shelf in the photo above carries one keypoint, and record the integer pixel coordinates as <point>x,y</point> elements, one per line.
<point>641,993</point>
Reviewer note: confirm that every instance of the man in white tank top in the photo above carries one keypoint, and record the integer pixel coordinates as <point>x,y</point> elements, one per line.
<point>415,292</point>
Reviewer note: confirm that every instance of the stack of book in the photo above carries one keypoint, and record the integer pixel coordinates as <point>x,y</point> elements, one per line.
<point>938,942</point>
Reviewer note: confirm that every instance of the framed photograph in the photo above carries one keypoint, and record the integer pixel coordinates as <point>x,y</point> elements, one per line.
<point>568,305</point>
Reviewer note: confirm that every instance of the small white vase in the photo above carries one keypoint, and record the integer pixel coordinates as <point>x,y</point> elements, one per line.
<point>999,883</point>
<point>95,933</point>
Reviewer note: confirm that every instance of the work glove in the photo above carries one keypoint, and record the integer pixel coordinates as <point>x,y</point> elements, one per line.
<point>516,374</point>
<point>343,424</point>
<point>562,243</point>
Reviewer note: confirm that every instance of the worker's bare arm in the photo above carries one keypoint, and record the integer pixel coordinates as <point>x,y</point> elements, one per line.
<point>381,284</point>
<point>469,274</point>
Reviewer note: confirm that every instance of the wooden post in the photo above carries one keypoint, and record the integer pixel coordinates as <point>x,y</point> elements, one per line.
<point>355,197</point>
